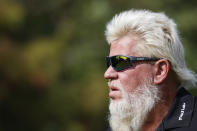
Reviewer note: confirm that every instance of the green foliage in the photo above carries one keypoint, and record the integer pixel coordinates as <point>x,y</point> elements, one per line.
<point>52,60</point>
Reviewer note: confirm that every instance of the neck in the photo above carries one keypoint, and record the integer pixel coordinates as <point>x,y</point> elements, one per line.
<point>155,117</point>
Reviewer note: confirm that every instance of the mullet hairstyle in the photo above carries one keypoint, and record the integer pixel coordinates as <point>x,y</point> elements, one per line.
<point>159,38</point>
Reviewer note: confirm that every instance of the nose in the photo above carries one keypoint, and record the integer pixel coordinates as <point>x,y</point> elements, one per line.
<point>110,74</point>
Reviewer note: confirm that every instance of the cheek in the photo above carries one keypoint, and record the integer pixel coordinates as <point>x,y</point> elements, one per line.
<point>130,81</point>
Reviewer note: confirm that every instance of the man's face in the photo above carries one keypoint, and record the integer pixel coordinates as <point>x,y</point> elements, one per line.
<point>130,78</point>
<point>132,91</point>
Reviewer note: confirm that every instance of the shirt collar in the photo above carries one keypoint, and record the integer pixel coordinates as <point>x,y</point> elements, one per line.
<point>181,111</point>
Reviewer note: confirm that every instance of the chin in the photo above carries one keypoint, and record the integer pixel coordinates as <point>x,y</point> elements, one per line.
<point>129,113</point>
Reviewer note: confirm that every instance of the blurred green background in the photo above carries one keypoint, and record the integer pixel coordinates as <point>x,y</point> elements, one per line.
<point>52,60</point>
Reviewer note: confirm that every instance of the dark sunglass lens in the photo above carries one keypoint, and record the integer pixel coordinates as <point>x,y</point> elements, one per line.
<point>107,61</point>
<point>120,62</point>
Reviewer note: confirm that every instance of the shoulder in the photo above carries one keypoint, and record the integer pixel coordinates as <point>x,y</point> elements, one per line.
<point>108,129</point>
<point>195,106</point>
<point>193,124</point>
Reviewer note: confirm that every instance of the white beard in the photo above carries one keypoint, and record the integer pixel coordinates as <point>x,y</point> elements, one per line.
<point>130,113</point>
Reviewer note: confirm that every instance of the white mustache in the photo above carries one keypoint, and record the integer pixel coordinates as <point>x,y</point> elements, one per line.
<point>115,84</point>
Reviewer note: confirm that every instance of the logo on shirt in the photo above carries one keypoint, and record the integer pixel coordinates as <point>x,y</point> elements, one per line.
<point>182,111</point>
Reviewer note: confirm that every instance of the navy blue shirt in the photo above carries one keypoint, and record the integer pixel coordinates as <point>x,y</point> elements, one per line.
<point>183,114</point>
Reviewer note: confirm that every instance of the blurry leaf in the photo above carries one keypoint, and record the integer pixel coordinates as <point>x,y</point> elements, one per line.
<point>11,14</point>
<point>44,55</point>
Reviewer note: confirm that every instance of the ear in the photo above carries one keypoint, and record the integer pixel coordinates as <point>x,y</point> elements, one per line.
<point>162,68</point>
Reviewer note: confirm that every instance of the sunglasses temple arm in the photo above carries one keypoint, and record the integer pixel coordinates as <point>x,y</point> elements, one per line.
<point>143,59</point>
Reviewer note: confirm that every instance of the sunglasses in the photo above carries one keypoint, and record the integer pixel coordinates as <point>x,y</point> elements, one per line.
<point>122,62</point>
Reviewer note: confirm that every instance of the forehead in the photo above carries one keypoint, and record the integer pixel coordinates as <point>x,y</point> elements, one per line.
<point>124,46</point>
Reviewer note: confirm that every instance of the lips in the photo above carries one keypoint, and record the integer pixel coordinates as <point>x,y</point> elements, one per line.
<point>113,88</point>
<point>114,93</point>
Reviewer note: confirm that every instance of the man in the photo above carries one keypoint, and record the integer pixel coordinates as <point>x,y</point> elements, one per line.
<point>147,75</point>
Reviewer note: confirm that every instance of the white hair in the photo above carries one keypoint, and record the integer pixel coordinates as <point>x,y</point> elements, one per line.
<point>159,38</point>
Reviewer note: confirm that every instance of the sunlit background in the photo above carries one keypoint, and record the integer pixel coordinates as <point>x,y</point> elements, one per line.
<point>52,60</point>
